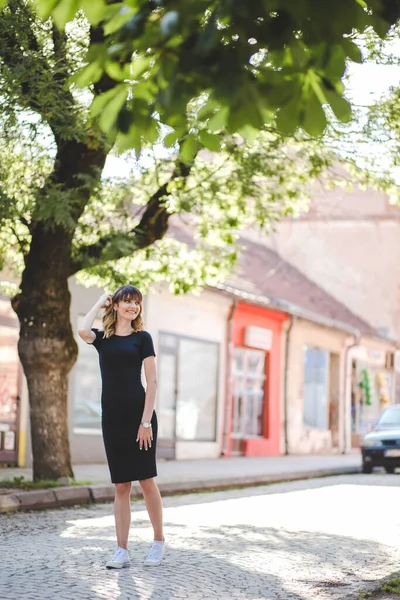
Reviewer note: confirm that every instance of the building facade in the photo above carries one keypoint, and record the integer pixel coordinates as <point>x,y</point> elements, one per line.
<point>266,364</point>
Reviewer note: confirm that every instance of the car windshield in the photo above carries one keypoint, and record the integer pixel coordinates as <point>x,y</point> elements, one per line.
<point>390,418</point>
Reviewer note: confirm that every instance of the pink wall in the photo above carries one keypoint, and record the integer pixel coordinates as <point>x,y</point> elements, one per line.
<point>248,315</point>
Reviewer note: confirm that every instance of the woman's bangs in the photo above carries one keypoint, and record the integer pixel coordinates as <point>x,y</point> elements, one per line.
<point>131,296</point>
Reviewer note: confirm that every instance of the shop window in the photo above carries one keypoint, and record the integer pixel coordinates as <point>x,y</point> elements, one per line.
<point>87,405</point>
<point>248,392</point>
<point>187,388</point>
<point>371,392</point>
<point>316,369</point>
<point>10,371</point>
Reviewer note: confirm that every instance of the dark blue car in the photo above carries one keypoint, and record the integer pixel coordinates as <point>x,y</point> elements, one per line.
<point>381,446</point>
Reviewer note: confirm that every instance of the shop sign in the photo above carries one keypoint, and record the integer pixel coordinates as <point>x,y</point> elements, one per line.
<point>258,337</point>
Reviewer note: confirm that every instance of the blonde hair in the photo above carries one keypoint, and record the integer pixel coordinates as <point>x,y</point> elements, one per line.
<point>125,292</point>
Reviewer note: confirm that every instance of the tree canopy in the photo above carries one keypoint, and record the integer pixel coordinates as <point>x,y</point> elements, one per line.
<point>52,154</point>
<point>207,66</point>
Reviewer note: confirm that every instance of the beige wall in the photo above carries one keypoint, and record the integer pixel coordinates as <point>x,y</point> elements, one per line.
<point>303,439</point>
<point>356,261</point>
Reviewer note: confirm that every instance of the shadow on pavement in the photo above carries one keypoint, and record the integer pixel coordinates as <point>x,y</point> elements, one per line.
<point>61,554</point>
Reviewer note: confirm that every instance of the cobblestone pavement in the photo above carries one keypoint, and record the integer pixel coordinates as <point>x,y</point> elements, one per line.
<point>322,539</point>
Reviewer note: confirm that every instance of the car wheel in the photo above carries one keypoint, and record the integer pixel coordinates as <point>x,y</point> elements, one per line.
<point>366,468</point>
<point>389,469</point>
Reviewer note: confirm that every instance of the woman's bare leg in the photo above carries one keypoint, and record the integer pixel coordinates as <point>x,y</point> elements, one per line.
<point>122,513</point>
<point>152,498</point>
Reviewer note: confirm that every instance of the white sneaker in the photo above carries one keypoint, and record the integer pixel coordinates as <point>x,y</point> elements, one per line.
<point>119,560</point>
<point>155,555</point>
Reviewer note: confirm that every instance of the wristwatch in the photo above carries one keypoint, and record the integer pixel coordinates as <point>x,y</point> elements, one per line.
<point>145,424</point>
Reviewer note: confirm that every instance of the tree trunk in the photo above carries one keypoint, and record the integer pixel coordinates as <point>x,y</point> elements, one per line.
<point>47,348</point>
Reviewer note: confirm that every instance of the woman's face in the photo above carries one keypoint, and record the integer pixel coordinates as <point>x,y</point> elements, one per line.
<point>128,309</point>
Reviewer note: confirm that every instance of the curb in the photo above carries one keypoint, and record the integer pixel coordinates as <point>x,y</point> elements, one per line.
<point>17,501</point>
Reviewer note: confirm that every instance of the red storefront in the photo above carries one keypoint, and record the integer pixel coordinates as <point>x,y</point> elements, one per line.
<point>253,419</point>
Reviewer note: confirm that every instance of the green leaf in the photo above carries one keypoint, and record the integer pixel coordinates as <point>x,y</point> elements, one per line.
<point>152,133</point>
<point>132,139</point>
<point>44,7</point>
<point>108,106</point>
<point>299,55</point>
<point>144,90</point>
<point>314,120</point>
<point>119,19</point>
<point>340,106</point>
<point>218,121</point>
<point>64,12</point>
<point>288,116</point>
<point>248,133</point>
<point>89,74</point>
<point>110,112</point>
<point>210,141</point>
<point>208,109</point>
<point>140,66</point>
<point>116,71</point>
<point>170,139</point>
<point>336,64</point>
<point>352,50</point>
<point>94,10</point>
<point>189,148</point>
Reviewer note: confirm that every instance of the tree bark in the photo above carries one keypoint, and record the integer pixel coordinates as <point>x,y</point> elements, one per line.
<point>47,348</point>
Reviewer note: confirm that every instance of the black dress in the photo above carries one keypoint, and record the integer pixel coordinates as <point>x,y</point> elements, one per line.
<point>122,403</point>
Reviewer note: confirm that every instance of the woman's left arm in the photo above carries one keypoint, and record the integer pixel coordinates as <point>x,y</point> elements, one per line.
<point>145,435</point>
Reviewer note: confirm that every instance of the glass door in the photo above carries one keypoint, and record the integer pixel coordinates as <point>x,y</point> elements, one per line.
<point>187,391</point>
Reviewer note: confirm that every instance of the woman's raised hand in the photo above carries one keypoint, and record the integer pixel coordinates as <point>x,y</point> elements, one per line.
<point>105,300</point>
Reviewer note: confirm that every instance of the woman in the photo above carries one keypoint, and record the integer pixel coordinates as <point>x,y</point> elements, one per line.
<point>129,422</point>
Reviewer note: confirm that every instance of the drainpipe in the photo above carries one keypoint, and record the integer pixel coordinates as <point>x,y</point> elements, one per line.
<point>285,395</point>
<point>347,386</point>
<point>228,379</point>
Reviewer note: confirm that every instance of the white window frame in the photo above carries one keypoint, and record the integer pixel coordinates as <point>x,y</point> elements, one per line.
<point>239,412</point>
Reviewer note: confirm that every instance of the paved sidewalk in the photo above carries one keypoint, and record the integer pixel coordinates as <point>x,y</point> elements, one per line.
<point>179,477</point>
<point>214,471</point>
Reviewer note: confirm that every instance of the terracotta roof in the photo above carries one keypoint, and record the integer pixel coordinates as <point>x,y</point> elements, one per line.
<point>263,272</point>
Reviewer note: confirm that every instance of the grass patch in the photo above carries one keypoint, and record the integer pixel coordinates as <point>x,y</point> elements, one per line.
<point>21,483</point>
<point>392,586</point>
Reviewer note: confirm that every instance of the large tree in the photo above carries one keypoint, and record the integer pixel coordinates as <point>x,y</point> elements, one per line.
<point>59,217</point>
<point>250,63</point>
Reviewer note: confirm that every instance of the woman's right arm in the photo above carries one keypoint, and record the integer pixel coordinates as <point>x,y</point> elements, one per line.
<point>85,331</point>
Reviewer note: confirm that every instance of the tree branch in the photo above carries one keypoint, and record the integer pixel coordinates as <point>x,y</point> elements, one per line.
<point>28,224</point>
<point>25,58</point>
<point>152,227</point>
<point>23,245</point>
